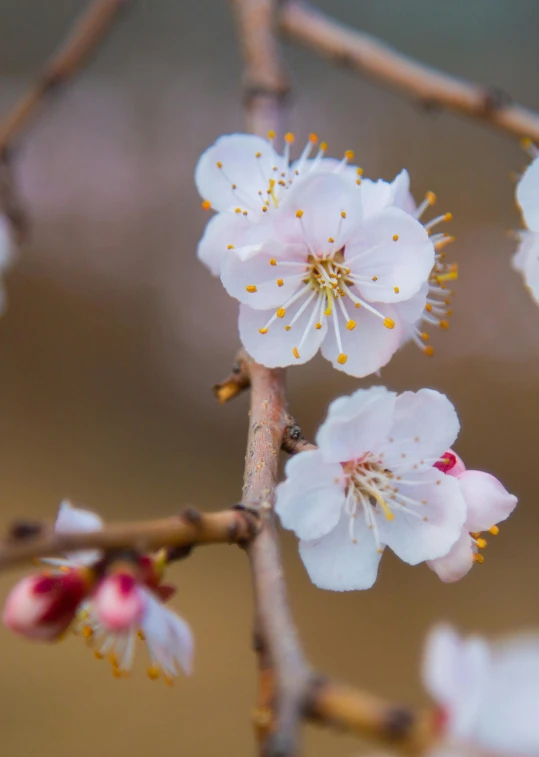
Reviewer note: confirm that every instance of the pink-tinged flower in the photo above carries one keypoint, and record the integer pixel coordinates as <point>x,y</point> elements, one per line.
<point>42,607</point>
<point>371,484</point>
<point>526,259</point>
<point>488,694</point>
<point>243,178</point>
<point>328,278</point>
<point>487,504</point>
<point>110,604</point>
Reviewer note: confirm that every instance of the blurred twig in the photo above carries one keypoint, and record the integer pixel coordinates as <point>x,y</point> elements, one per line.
<point>87,33</point>
<point>370,57</point>
<point>28,540</point>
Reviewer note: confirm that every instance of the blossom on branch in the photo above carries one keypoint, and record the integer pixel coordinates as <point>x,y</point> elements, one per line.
<point>109,601</point>
<point>487,503</point>
<point>526,259</point>
<point>372,483</point>
<point>310,269</point>
<point>488,693</point>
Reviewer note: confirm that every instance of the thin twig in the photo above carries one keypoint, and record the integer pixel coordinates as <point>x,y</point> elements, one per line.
<point>237,382</point>
<point>188,528</point>
<point>293,440</point>
<point>370,57</point>
<point>88,31</point>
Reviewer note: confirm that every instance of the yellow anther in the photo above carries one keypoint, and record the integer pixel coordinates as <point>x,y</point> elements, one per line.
<point>272,183</point>
<point>287,328</point>
<point>251,288</point>
<point>388,323</point>
<point>289,137</point>
<point>358,182</point>
<point>429,350</point>
<point>98,655</point>
<point>425,336</point>
<point>396,290</point>
<point>395,237</point>
<point>448,217</point>
<point>444,324</point>
<point>281,312</point>
<point>264,208</point>
<point>342,358</point>
<point>263,330</point>
<point>271,134</point>
<point>481,543</point>
<point>64,569</point>
<point>113,660</point>
<point>230,247</point>
<point>479,559</point>
<point>313,138</point>
<point>295,352</point>
<point>244,212</point>
<point>428,307</point>
<point>280,282</point>
<point>494,530</point>
<point>234,186</point>
<point>430,197</point>
<point>219,164</point>
<point>349,154</point>
<point>153,672</point>
<point>359,171</point>
<point>343,214</point>
<point>299,213</point>
<point>273,261</point>
<point>358,305</point>
<point>526,143</point>
<point>323,146</point>
<point>141,635</point>
<point>375,278</point>
<point>318,326</point>
<point>237,210</point>
<point>87,632</point>
<point>449,276</point>
<point>258,154</point>
<point>351,325</point>
<point>331,240</point>
<point>206,205</point>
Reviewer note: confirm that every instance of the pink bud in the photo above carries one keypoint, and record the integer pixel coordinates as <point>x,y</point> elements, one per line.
<point>451,464</point>
<point>41,607</point>
<point>119,602</point>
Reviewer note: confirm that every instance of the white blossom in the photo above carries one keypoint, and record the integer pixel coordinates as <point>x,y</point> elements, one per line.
<point>526,259</point>
<point>371,484</point>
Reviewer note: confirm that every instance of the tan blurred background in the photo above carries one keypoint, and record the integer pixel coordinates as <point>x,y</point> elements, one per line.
<point>114,335</point>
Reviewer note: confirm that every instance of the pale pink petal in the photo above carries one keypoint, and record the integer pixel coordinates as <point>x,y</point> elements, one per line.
<point>182,642</point>
<point>311,499</point>
<point>275,348</point>
<point>431,526</point>
<point>221,231</point>
<point>375,195</point>
<point>528,195</point>
<point>237,155</point>
<point>456,673</point>
<point>73,519</point>
<point>402,197</point>
<point>507,721</point>
<point>412,309</point>
<point>356,424</point>
<point>392,254</point>
<point>457,562</point>
<point>249,276</point>
<point>119,603</point>
<point>526,260</point>
<point>168,637</point>
<point>321,198</point>
<point>425,425</point>
<point>368,347</point>
<point>487,500</point>
<point>338,563</point>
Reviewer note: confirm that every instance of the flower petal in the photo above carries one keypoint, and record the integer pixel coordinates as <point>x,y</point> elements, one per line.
<point>237,154</point>
<point>392,254</point>
<point>487,500</point>
<point>311,499</point>
<point>526,260</point>
<point>455,672</point>
<point>274,349</point>
<point>168,637</point>
<point>356,424</point>
<point>337,563</point>
<point>72,520</point>
<point>253,276</point>
<point>528,195</point>
<point>457,562</point>
<point>425,425</point>
<point>221,231</point>
<point>368,347</point>
<point>321,199</point>
<point>432,526</point>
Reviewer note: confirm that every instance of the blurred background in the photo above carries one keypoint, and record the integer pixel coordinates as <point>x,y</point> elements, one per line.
<point>114,335</point>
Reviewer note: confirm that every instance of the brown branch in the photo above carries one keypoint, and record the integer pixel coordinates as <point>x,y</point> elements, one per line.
<point>89,30</point>
<point>29,540</point>
<point>293,440</point>
<point>237,382</point>
<point>374,59</point>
